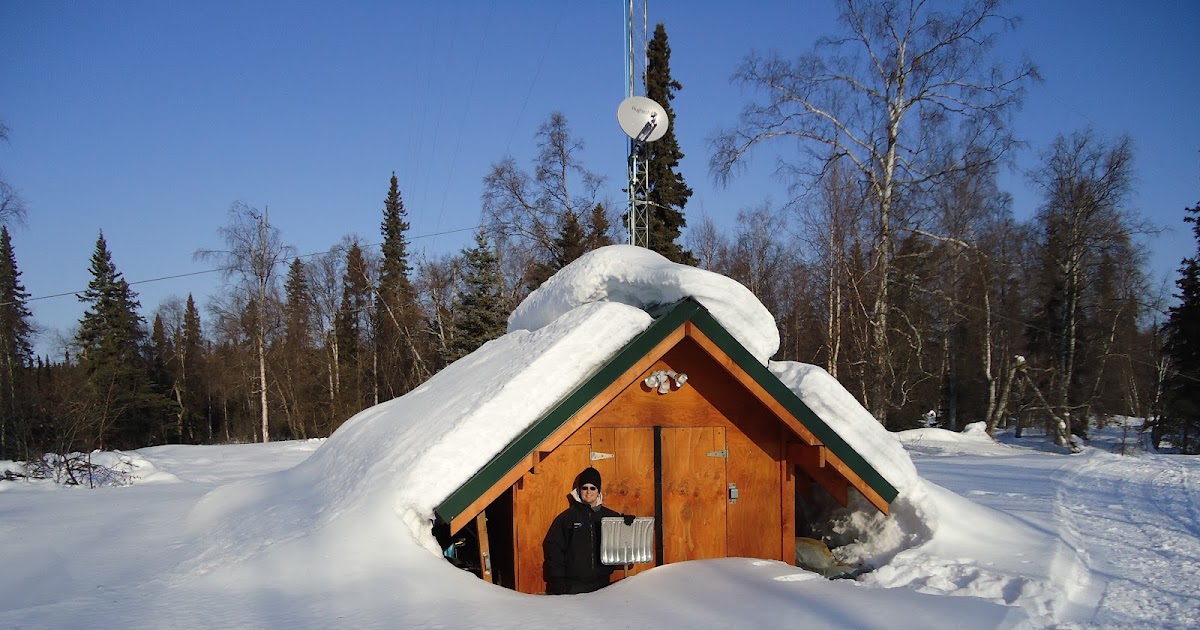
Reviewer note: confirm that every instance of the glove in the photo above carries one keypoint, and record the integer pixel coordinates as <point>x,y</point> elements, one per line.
<point>628,518</point>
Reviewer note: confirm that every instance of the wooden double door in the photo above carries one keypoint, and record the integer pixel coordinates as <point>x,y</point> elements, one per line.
<point>678,474</point>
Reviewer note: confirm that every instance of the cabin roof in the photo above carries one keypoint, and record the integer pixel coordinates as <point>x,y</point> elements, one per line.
<point>670,320</point>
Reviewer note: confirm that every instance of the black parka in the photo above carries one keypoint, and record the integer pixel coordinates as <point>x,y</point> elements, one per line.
<point>572,550</point>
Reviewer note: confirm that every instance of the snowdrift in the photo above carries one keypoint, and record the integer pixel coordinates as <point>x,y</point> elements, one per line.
<point>388,467</point>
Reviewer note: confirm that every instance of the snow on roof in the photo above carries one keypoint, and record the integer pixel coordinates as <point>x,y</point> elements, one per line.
<point>411,452</point>
<point>401,458</point>
<point>842,412</point>
<point>639,277</point>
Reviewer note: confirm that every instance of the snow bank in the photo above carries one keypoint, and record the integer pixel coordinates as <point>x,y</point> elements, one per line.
<point>87,470</point>
<point>864,535</point>
<point>854,424</point>
<point>399,459</point>
<point>395,462</point>
<point>639,277</point>
<point>979,552</point>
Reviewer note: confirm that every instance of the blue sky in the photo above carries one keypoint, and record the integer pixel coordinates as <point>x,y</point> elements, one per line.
<point>148,119</point>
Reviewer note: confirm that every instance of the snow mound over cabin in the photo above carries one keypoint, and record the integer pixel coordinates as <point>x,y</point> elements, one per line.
<point>639,277</point>
<point>842,412</point>
<point>866,536</point>
<point>399,459</point>
<point>387,468</point>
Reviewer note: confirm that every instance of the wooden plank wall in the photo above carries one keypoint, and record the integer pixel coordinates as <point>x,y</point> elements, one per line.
<point>694,494</point>
<point>761,524</point>
<point>537,499</point>
<point>756,452</point>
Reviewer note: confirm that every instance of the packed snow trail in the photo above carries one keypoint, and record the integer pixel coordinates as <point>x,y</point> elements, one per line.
<point>1137,522</point>
<point>1119,536</point>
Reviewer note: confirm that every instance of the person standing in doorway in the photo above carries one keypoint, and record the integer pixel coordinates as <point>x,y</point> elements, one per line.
<point>572,546</point>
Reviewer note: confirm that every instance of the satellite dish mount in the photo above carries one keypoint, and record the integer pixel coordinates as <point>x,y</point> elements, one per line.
<point>644,121</point>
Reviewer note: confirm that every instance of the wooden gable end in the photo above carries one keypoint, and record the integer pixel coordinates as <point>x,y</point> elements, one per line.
<point>815,447</point>
<point>816,437</point>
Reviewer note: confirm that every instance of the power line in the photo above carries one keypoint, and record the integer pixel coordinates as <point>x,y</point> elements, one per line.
<point>536,75</point>
<point>225,269</point>
<point>466,110</point>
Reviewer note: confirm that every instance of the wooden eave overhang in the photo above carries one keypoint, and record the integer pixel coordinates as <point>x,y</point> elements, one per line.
<point>686,318</point>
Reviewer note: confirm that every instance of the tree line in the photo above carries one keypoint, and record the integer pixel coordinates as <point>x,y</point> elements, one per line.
<point>898,265</point>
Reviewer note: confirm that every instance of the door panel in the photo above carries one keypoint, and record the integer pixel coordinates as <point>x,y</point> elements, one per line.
<point>537,500</point>
<point>754,467</point>
<point>694,494</point>
<point>628,475</point>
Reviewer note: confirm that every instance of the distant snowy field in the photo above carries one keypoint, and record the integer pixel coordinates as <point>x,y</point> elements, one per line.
<point>1041,539</point>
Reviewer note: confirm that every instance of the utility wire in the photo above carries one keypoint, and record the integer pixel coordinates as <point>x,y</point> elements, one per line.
<point>225,269</point>
<point>466,110</point>
<point>538,73</point>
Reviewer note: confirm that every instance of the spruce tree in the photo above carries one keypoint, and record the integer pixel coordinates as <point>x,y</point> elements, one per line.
<point>598,228</point>
<point>297,354</point>
<point>1181,413</point>
<point>163,372</point>
<point>16,353</point>
<point>353,326</point>
<point>120,396</point>
<point>398,316</point>
<point>297,325</point>
<point>197,427</point>
<point>668,192</point>
<point>481,314</point>
<point>570,243</point>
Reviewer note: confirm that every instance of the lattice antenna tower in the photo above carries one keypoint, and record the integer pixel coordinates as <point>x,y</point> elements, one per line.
<point>641,119</point>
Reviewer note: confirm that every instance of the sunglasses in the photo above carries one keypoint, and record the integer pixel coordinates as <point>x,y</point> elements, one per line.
<point>589,488</point>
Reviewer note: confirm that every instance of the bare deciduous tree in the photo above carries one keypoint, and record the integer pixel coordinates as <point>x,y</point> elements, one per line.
<point>830,225</point>
<point>325,282</point>
<point>901,75</point>
<point>526,212</point>
<point>12,205</point>
<point>1086,181</point>
<point>706,242</point>
<point>254,249</point>
<point>436,283</point>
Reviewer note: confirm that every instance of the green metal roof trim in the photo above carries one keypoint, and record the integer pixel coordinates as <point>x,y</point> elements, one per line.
<point>673,318</point>
<point>525,443</point>
<point>780,392</point>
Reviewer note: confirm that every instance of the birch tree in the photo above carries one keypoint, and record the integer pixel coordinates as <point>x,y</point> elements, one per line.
<point>327,272</point>
<point>12,205</point>
<point>254,250</point>
<point>1086,181</point>
<point>526,213</point>
<point>901,74</point>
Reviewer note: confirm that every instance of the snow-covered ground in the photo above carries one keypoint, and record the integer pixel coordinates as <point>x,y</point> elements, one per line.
<point>315,534</point>
<point>1026,537</point>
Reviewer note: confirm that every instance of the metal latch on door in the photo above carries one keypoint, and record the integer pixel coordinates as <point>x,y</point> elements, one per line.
<point>733,493</point>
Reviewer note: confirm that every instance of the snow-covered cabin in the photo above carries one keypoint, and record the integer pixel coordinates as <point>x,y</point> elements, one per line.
<point>721,459</point>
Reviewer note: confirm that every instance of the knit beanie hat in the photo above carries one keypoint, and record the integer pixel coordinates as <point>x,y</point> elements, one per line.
<point>589,475</point>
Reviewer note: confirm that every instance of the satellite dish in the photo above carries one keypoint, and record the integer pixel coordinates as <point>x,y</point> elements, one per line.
<point>642,119</point>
